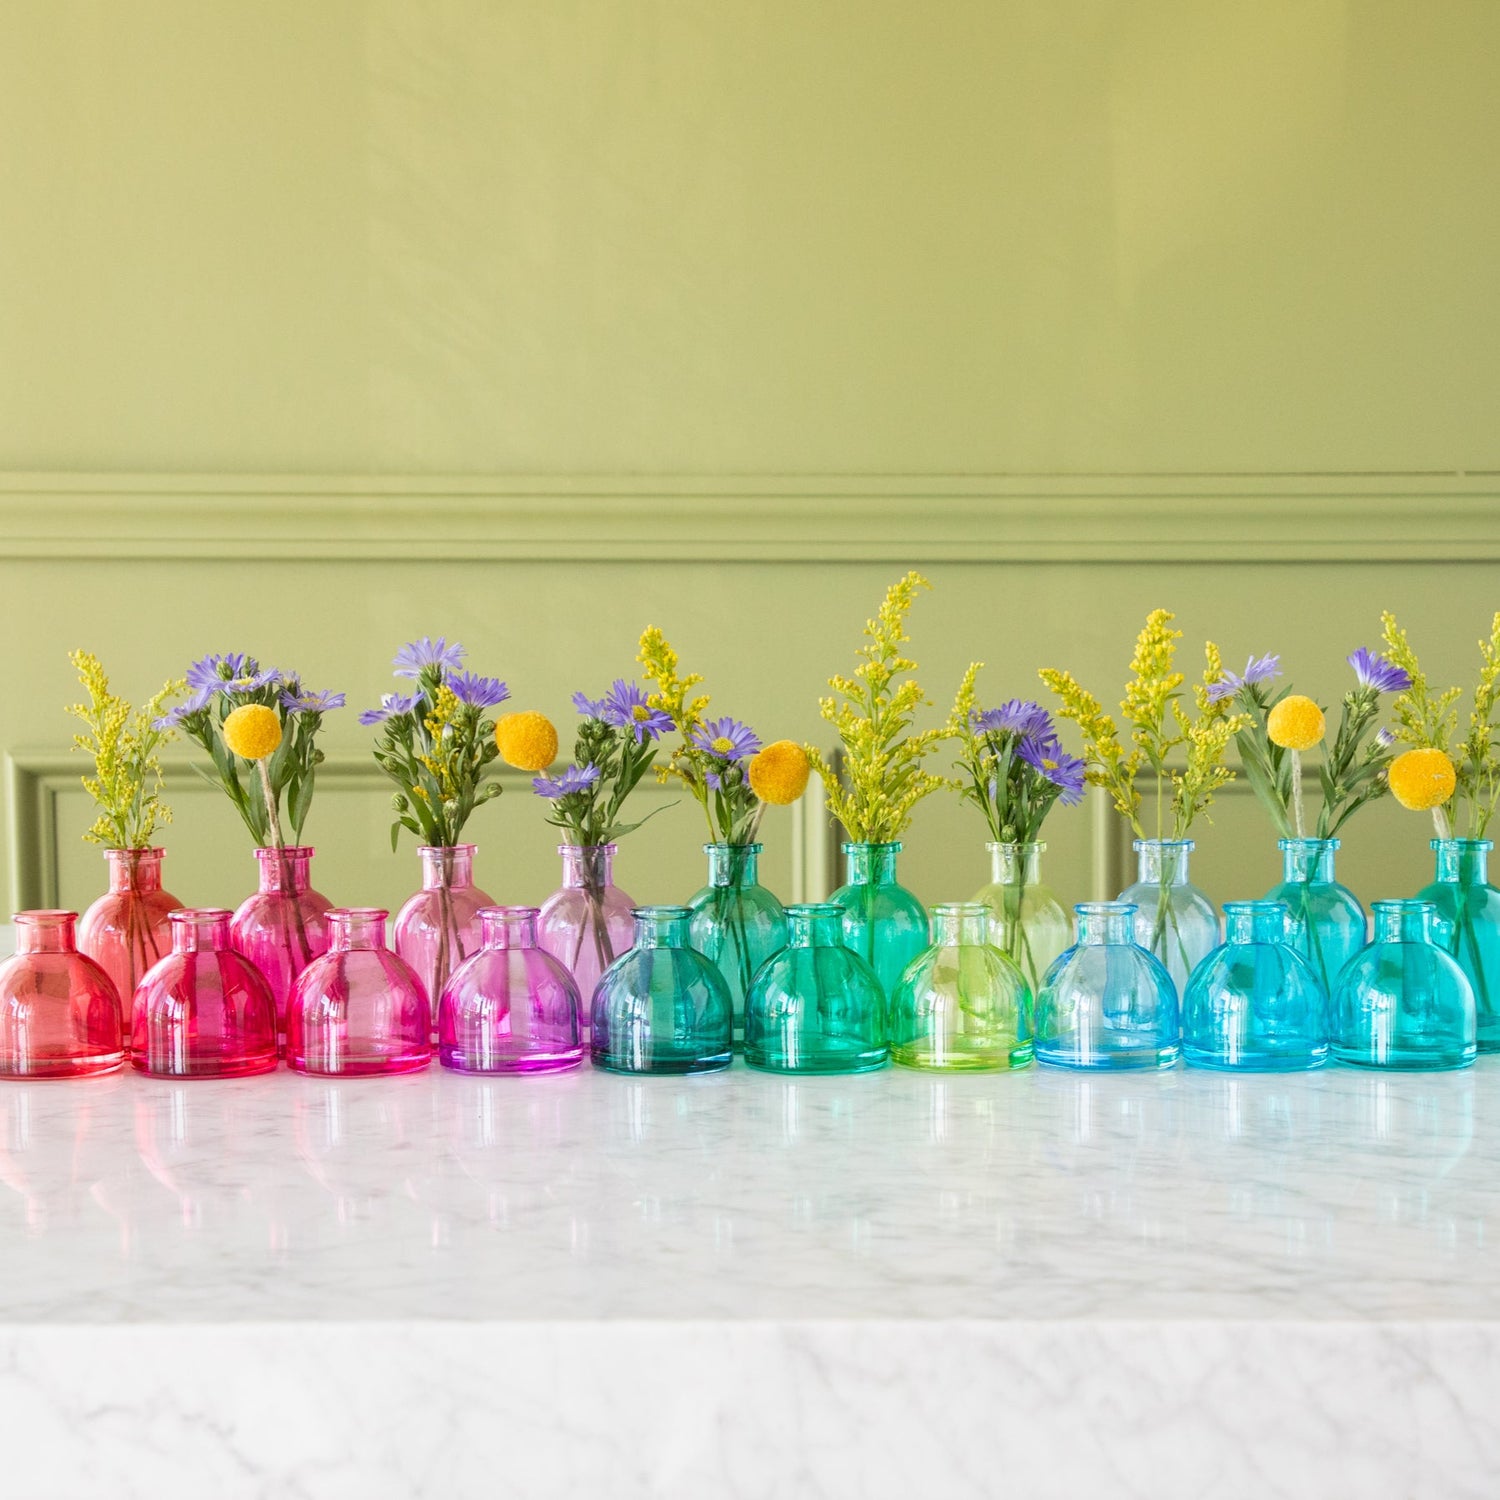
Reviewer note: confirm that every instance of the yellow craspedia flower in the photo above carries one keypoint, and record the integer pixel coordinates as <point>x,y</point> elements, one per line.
<point>253,731</point>
<point>1296,723</point>
<point>778,774</point>
<point>527,741</point>
<point>1422,779</point>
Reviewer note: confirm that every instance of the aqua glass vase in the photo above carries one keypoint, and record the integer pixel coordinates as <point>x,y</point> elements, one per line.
<point>1404,1002</point>
<point>883,922</point>
<point>126,930</point>
<point>815,1007</point>
<point>1027,922</point>
<point>662,1007</point>
<point>1255,1003</point>
<point>1174,920</point>
<point>1326,923</point>
<point>963,1005</point>
<point>1107,1002</point>
<point>586,925</point>
<point>1466,921</point>
<point>736,923</point>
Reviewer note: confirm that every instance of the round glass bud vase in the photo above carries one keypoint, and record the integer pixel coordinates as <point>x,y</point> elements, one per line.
<point>1466,921</point>
<point>205,1011</point>
<point>1027,922</point>
<point>662,1007</point>
<point>586,925</point>
<point>1327,925</point>
<point>1174,921</point>
<point>1256,1003</point>
<point>883,922</point>
<point>284,925</point>
<point>1107,1002</point>
<point>815,1007</point>
<point>963,1005</point>
<point>1404,1002</point>
<point>126,930</point>
<point>736,923</point>
<point>359,1009</point>
<point>438,928</point>
<point>512,1007</point>
<point>59,1010</point>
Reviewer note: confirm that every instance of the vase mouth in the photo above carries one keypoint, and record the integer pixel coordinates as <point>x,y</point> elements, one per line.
<point>711,848</point>
<point>44,916</point>
<point>199,916</point>
<point>1188,844</point>
<point>508,913</point>
<point>1402,906</point>
<point>140,851</point>
<point>1104,908</point>
<point>875,846</point>
<point>815,909</point>
<point>967,909</point>
<point>1309,844</point>
<point>661,913</point>
<point>1018,846</point>
<point>1262,906</point>
<point>344,915</point>
<point>447,848</point>
<point>587,848</point>
<point>287,851</point>
<point>1472,846</point>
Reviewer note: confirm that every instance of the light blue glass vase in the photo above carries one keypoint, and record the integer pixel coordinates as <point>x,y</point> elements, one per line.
<point>883,922</point>
<point>1174,920</point>
<point>1327,925</point>
<point>1255,1003</point>
<point>815,1007</point>
<point>1404,1002</point>
<point>1107,1002</point>
<point>1467,923</point>
<point>737,924</point>
<point>662,1007</point>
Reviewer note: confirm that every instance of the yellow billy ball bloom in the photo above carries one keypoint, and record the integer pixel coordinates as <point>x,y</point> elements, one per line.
<point>526,741</point>
<point>253,731</point>
<point>778,774</point>
<point>1296,723</point>
<point>1422,779</point>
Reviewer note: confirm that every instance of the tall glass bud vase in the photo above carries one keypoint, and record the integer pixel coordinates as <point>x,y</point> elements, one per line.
<point>1174,921</point>
<point>586,925</point>
<point>883,922</point>
<point>284,925</point>
<point>1027,922</point>
<point>438,928</point>
<point>1466,921</point>
<point>1326,925</point>
<point>126,930</point>
<point>737,924</point>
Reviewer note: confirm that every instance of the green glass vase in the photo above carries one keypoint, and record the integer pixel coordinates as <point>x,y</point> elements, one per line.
<point>1027,922</point>
<point>883,922</point>
<point>737,924</point>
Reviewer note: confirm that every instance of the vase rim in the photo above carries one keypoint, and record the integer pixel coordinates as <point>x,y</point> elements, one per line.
<point>199,916</point>
<point>1259,906</point>
<point>814,909</point>
<point>1478,846</point>
<point>446,848</point>
<point>1104,908</point>
<point>751,848</point>
<point>509,913</point>
<point>1025,845</point>
<point>1402,904</point>
<point>139,850</point>
<point>1309,843</point>
<point>960,909</point>
<point>1188,844</point>
<point>290,851</point>
<point>345,914</point>
<point>851,845</point>
<point>44,916</point>
<point>608,848</point>
<point>661,913</point>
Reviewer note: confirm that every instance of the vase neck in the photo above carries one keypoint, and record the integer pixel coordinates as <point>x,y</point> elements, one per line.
<point>284,871</point>
<point>357,928</point>
<point>1101,922</point>
<point>137,870</point>
<point>960,924</point>
<point>870,864</point>
<point>1255,921</point>
<point>1305,860</point>
<point>732,864</point>
<point>815,924</point>
<point>1463,861</point>
<point>508,926</point>
<point>587,865</point>
<point>1403,921</point>
<point>1163,861</point>
<point>1016,864</point>
<point>199,929</point>
<point>46,931</point>
<point>447,867</point>
<point>662,926</point>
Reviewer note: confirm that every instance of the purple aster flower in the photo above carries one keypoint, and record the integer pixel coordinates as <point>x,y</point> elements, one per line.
<point>589,708</point>
<point>574,779</point>
<point>1385,738</point>
<point>627,707</point>
<point>415,655</point>
<point>1060,768</point>
<point>214,671</point>
<point>1019,716</point>
<point>189,706</point>
<point>390,705</point>
<point>477,691</point>
<point>1257,669</point>
<point>1375,671</point>
<point>305,701</point>
<point>726,738</point>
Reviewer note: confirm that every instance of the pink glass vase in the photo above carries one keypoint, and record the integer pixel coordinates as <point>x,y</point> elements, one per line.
<point>512,1007</point>
<point>587,924</point>
<point>359,1009</point>
<point>438,928</point>
<point>59,1010</point>
<point>284,925</point>
<point>205,1011</point>
<point>126,931</point>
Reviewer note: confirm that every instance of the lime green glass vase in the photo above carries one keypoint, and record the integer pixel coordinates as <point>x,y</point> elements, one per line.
<point>1027,922</point>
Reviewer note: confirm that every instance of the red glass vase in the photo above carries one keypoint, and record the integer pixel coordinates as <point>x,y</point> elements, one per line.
<point>284,925</point>
<point>126,931</point>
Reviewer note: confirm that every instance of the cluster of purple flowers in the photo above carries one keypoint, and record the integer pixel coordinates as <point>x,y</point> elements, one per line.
<point>1036,743</point>
<point>233,673</point>
<point>1373,670</point>
<point>423,655</point>
<point>625,706</point>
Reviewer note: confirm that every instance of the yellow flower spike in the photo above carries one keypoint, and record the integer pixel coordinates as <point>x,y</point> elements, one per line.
<point>1422,779</point>
<point>526,741</point>
<point>1296,723</point>
<point>253,731</point>
<point>779,773</point>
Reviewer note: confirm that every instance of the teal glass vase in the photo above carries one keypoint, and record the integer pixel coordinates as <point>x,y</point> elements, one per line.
<point>1255,1003</point>
<point>1326,923</point>
<point>1107,1003</point>
<point>963,1005</point>
<point>737,924</point>
<point>883,922</point>
<point>1466,922</point>
<point>662,1007</point>
<point>1404,1002</point>
<point>1174,920</point>
<point>1027,922</point>
<point>815,1007</point>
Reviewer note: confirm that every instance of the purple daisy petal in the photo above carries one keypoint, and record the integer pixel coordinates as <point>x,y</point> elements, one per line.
<point>1376,671</point>
<point>307,702</point>
<point>726,738</point>
<point>1061,769</point>
<point>390,705</point>
<point>477,691</point>
<point>574,779</point>
<point>416,655</point>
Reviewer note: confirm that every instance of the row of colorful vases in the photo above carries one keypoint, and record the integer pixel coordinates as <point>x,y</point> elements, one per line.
<point>841,986</point>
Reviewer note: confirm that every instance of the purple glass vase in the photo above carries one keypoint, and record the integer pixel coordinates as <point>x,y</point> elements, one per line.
<point>512,1007</point>
<point>126,930</point>
<point>587,924</point>
<point>284,925</point>
<point>438,928</point>
<point>359,1009</point>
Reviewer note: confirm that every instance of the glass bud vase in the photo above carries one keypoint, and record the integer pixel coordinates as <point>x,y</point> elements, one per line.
<point>59,1010</point>
<point>1027,922</point>
<point>1466,921</point>
<point>736,923</point>
<point>815,1007</point>
<point>1327,925</point>
<point>1256,1003</point>
<point>1107,1002</point>
<point>963,1005</point>
<point>586,925</point>
<point>883,922</point>
<point>1404,1002</point>
<point>284,925</point>
<point>1174,920</point>
<point>126,930</point>
<point>358,1009</point>
<point>513,1007</point>
<point>205,1011</point>
<point>438,928</point>
<point>662,1007</point>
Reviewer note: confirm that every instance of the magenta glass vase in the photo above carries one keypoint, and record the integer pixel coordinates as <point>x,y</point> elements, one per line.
<point>587,924</point>
<point>359,1009</point>
<point>126,930</point>
<point>284,925</point>
<point>59,1010</point>
<point>205,1011</point>
<point>512,1007</point>
<point>438,928</point>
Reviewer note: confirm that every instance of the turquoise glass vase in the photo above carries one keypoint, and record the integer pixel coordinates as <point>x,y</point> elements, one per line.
<point>1174,920</point>
<point>1255,1003</point>
<point>1326,923</point>
<point>1466,921</point>
<point>1107,1002</point>
<point>815,1007</point>
<point>1027,922</point>
<point>963,1005</point>
<point>737,924</point>
<point>1404,1002</point>
<point>883,922</point>
<point>662,1007</point>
